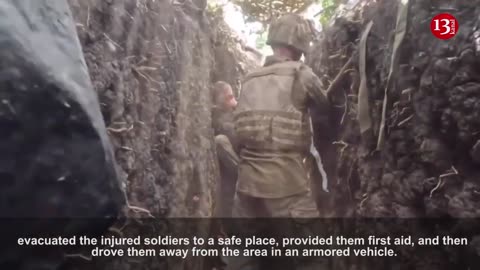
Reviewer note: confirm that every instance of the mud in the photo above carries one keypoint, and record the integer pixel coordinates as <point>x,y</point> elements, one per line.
<point>427,167</point>
<point>232,60</point>
<point>56,164</point>
<point>146,68</point>
<point>152,64</point>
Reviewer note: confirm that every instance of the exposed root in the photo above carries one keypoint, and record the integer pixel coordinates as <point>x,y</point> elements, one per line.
<point>141,74</point>
<point>349,178</point>
<point>440,180</point>
<point>345,110</point>
<point>130,15</point>
<point>402,111</point>
<point>81,256</point>
<point>439,184</point>
<point>117,231</point>
<point>120,130</point>
<point>137,209</point>
<point>453,173</point>
<point>88,16</point>
<point>141,123</point>
<point>142,210</point>
<point>365,197</point>
<point>344,144</point>
<point>334,56</point>
<point>408,91</point>
<point>334,84</point>
<point>113,42</point>
<point>349,70</point>
<point>166,47</point>
<point>9,106</point>
<point>393,116</point>
<point>149,79</point>
<point>405,121</point>
<point>141,68</point>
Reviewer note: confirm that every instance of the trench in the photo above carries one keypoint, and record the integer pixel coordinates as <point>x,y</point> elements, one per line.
<point>152,64</point>
<point>152,73</point>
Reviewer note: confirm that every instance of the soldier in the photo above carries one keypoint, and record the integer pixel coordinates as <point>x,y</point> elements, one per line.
<point>272,124</point>
<point>224,103</point>
<point>222,119</point>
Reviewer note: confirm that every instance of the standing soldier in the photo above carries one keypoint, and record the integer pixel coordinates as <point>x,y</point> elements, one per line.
<point>273,129</point>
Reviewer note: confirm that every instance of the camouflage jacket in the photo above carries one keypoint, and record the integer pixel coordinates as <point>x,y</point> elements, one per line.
<point>271,171</point>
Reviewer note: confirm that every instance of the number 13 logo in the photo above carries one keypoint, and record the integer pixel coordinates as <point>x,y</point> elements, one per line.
<point>444,26</point>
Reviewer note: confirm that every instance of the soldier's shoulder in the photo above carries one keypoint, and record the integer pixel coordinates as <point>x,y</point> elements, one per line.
<point>285,65</point>
<point>254,70</point>
<point>304,68</point>
<point>307,74</point>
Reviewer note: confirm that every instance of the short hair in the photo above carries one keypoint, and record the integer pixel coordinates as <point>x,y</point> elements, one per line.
<point>218,88</point>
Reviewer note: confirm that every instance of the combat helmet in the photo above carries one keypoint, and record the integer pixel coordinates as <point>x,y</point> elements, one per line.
<point>290,30</point>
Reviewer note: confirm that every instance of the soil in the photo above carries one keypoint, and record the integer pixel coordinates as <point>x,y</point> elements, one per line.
<point>56,163</point>
<point>440,127</point>
<point>152,64</point>
<point>427,167</point>
<point>232,60</point>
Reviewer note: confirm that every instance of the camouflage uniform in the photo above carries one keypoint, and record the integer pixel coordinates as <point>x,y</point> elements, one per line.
<point>272,124</point>
<point>228,161</point>
<point>222,122</point>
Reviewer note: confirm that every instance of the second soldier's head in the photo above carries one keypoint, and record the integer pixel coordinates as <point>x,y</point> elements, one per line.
<point>290,36</point>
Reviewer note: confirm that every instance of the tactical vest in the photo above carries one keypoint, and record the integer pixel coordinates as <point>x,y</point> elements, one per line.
<point>265,117</point>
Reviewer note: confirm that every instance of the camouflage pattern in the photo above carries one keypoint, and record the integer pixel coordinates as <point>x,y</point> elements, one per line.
<point>272,174</point>
<point>269,120</point>
<point>291,30</point>
<point>298,215</point>
<point>225,190</point>
<point>225,141</point>
<point>262,171</point>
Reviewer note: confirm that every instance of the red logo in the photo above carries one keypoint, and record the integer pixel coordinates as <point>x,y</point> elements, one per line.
<point>444,26</point>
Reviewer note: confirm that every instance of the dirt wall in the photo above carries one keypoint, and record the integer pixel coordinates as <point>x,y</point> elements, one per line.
<point>152,64</point>
<point>232,61</point>
<point>431,121</point>
<point>147,61</point>
<point>426,167</point>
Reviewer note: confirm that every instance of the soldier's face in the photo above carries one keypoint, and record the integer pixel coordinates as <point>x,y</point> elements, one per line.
<point>229,101</point>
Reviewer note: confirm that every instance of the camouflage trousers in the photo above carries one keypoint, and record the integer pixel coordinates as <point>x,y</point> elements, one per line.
<point>291,217</point>
<point>298,213</point>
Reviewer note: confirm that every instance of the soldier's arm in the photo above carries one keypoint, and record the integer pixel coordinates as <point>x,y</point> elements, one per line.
<point>320,109</point>
<point>315,91</point>
<point>227,128</point>
<point>229,131</point>
<point>316,97</point>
